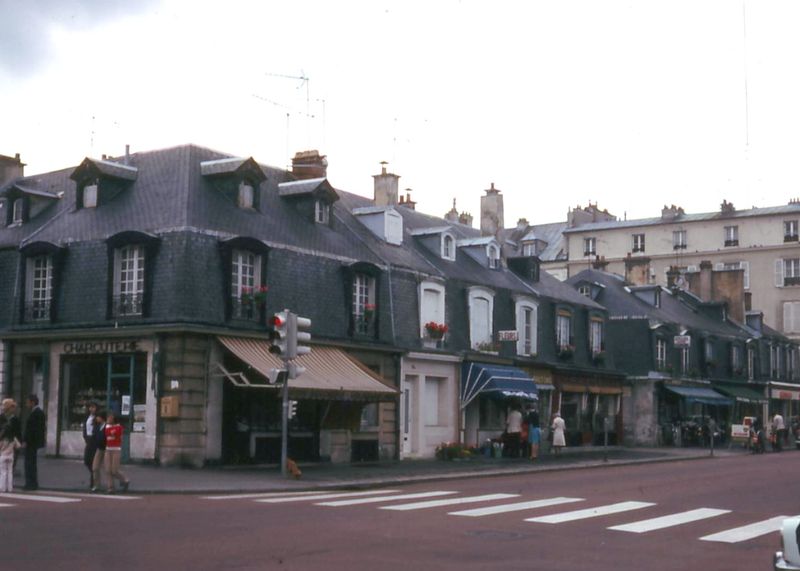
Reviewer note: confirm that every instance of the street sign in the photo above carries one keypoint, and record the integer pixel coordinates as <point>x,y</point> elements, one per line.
<point>682,341</point>
<point>508,335</point>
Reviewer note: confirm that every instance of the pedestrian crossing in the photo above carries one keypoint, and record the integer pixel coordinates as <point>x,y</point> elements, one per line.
<point>10,500</point>
<point>398,501</point>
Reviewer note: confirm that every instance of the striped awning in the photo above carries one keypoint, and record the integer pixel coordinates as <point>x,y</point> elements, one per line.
<point>495,380</point>
<point>330,373</point>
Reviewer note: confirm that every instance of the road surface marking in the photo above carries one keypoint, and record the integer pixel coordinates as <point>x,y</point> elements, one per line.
<point>746,532</point>
<point>477,512</point>
<point>38,498</point>
<point>327,496</point>
<point>258,495</point>
<point>591,512</point>
<point>7,505</point>
<point>655,523</point>
<point>100,496</point>
<point>450,502</point>
<point>384,499</point>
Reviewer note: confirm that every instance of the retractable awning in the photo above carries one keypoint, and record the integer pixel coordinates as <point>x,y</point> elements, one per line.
<point>330,373</point>
<point>700,395</point>
<point>741,394</point>
<point>495,380</point>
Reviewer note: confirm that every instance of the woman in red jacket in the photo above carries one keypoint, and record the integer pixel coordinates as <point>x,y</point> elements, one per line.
<point>113,453</point>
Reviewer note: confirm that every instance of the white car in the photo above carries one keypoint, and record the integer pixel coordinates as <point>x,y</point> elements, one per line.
<point>789,558</point>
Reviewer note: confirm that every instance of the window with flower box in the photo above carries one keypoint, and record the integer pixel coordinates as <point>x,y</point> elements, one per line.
<point>481,308</point>
<point>128,280</point>
<point>564,345</point>
<point>364,306</point>
<point>39,290</point>
<point>245,284</point>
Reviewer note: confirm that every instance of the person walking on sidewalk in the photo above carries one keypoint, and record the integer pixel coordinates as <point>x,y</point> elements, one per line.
<point>534,433</point>
<point>10,418</point>
<point>8,447</point>
<point>89,445</point>
<point>99,444</point>
<point>558,428</point>
<point>113,454</point>
<point>33,440</point>
<point>513,431</point>
<point>778,432</point>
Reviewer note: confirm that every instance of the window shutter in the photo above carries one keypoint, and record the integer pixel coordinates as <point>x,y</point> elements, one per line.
<point>778,273</point>
<point>746,267</point>
<point>787,317</point>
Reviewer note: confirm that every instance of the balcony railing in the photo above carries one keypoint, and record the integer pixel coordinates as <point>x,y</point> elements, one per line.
<point>729,243</point>
<point>790,238</point>
<point>791,280</point>
<point>38,310</point>
<point>129,304</point>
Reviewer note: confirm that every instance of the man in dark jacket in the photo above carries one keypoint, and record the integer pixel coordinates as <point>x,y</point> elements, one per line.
<point>33,440</point>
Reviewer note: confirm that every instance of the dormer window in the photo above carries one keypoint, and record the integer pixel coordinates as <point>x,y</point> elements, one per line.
<point>448,247</point>
<point>246,198</point>
<point>39,288</point>
<point>128,280</point>
<point>493,253</point>
<point>529,249</point>
<point>17,211</point>
<point>322,212</point>
<point>89,196</point>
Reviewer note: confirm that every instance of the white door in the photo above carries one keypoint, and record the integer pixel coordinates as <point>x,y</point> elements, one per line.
<point>407,413</point>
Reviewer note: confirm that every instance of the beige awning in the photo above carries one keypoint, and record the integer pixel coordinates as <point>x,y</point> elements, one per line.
<point>330,373</point>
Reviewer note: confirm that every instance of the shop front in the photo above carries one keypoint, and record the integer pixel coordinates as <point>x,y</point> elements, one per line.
<point>688,409</point>
<point>338,403</point>
<point>488,393</point>
<point>590,407</point>
<point>748,400</point>
<point>784,398</point>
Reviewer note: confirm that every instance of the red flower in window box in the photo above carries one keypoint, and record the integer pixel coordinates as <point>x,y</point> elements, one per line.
<point>254,296</point>
<point>435,330</point>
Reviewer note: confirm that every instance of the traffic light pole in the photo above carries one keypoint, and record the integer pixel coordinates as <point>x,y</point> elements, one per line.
<point>285,421</point>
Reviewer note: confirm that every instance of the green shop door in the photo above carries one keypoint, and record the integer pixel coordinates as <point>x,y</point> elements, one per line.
<point>120,396</point>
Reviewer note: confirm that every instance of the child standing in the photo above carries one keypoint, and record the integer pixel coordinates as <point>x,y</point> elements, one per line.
<point>113,432</point>
<point>8,446</point>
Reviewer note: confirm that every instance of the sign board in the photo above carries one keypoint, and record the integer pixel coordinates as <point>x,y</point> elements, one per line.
<point>508,335</point>
<point>682,341</point>
<point>740,431</point>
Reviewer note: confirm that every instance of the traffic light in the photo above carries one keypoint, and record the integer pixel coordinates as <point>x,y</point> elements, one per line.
<point>280,334</point>
<point>293,370</point>
<point>301,336</point>
<point>292,408</point>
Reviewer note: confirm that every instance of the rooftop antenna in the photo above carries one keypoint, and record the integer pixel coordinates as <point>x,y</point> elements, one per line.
<point>304,81</point>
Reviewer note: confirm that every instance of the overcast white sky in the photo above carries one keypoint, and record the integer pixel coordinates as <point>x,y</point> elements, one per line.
<point>632,104</point>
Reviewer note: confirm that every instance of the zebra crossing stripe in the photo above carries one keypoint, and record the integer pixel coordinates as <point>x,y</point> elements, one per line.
<point>38,498</point>
<point>505,508</point>
<point>669,520</point>
<point>746,532</point>
<point>591,512</point>
<point>359,501</point>
<point>326,496</point>
<point>450,502</point>
<point>6,505</point>
<point>258,495</point>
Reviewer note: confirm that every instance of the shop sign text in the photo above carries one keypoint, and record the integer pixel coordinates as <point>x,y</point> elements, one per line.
<point>95,347</point>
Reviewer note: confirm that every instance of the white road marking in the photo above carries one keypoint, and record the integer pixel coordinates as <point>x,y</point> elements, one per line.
<point>38,498</point>
<point>326,496</point>
<point>7,505</point>
<point>101,496</point>
<point>671,520</point>
<point>384,499</point>
<point>505,508</point>
<point>450,502</point>
<point>746,532</point>
<point>591,512</point>
<point>258,495</point>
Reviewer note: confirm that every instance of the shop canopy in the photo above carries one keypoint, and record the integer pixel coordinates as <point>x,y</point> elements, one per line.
<point>700,395</point>
<point>330,373</point>
<point>742,394</point>
<point>500,381</point>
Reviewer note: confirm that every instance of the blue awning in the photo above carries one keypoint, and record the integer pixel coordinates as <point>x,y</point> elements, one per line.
<point>700,395</point>
<point>495,380</point>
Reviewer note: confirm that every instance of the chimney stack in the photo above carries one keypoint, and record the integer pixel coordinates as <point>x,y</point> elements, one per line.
<point>492,220</point>
<point>408,203</point>
<point>386,185</point>
<point>452,215</point>
<point>309,164</point>
<point>11,168</point>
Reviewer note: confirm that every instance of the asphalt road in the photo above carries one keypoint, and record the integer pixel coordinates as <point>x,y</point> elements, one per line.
<point>668,507</point>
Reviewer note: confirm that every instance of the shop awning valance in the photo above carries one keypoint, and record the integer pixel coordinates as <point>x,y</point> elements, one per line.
<point>700,395</point>
<point>741,394</point>
<point>330,373</point>
<point>495,380</point>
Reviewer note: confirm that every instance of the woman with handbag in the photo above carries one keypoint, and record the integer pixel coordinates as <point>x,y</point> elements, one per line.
<point>558,428</point>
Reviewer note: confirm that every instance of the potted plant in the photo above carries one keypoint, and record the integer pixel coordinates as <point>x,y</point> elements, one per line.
<point>435,330</point>
<point>566,351</point>
<point>369,312</point>
<point>254,296</point>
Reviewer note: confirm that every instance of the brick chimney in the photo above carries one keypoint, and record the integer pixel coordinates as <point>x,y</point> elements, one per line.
<point>386,185</point>
<point>309,164</point>
<point>705,293</point>
<point>465,218</point>
<point>11,168</point>
<point>492,212</point>
<point>452,215</point>
<point>407,202</point>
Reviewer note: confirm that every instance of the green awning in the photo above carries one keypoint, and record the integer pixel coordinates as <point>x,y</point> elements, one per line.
<point>742,394</point>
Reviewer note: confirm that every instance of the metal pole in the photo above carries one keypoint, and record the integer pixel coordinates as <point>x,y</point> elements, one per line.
<point>285,422</point>
<point>605,439</point>
<point>711,431</point>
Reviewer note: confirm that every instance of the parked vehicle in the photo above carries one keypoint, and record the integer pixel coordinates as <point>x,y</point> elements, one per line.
<point>788,559</point>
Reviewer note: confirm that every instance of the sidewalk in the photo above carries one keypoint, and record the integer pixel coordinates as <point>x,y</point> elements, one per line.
<point>70,475</point>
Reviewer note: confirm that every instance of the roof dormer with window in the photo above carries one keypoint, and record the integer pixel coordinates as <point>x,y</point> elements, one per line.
<point>99,181</point>
<point>313,198</point>
<point>383,221</point>
<point>237,179</point>
<point>22,203</point>
<point>484,250</point>
<point>439,240</point>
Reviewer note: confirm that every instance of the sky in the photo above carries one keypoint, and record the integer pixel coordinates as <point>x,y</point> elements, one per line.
<point>629,104</point>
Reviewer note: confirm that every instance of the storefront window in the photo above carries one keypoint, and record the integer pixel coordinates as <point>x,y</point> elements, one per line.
<point>492,414</point>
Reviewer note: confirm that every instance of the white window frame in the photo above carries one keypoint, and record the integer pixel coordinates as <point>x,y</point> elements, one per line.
<point>791,316</point>
<point>529,249</point>
<point>590,246</point>
<point>679,239</point>
<point>363,295</point>
<point>731,235</point>
<point>16,210</point>
<point>638,243</point>
<point>527,322</point>
<point>245,272</point>
<point>89,196</point>
<point>435,399</point>
<point>708,350</point>
<point>129,261</point>
<point>685,361</point>
<point>247,195</point>
<point>751,362</point>
<point>448,247</point>
<point>39,286</point>
<point>595,335</point>
<point>741,265</point>
<point>438,314</point>
<point>493,255</point>
<point>476,294</point>
<point>661,353</point>
<point>585,290</point>
<point>322,212</point>
<point>563,329</point>
<point>790,230</point>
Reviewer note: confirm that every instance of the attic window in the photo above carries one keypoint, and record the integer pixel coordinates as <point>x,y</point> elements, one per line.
<point>246,195</point>
<point>90,196</point>
<point>585,289</point>
<point>448,247</point>
<point>322,212</point>
<point>529,249</point>
<point>17,211</point>
<point>493,253</point>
